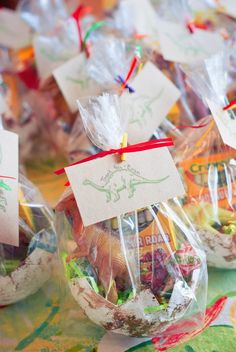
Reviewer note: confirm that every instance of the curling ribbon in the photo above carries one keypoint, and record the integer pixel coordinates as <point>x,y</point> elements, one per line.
<point>191,26</point>
<point>120,80</point>
<point>153,144</point>
<point>132,68</point>
<point>191,126</point>
<point>93,27</point>
<point>9,177</point>
<point>230,106</point>
<point>77,14</point>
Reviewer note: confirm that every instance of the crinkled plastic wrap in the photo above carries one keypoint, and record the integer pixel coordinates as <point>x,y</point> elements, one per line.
<point>57,47</point>
<point>175,11</point>
<point>122,19</point>
<point>91,132</point>
<point>208,167</point>
<point>110,58</point>
<point>136,274</point>
<point>140,272</point>
<point>42,15</point>
<point>24,269</point>
<point>190,107</point>
<point>42,127</point>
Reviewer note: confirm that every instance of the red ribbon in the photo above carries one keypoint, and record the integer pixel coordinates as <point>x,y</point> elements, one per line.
<point>191,126</point>
<point>231,105</point>
<point>191,26</point>
<point>131,70</point>
<point>12,178</point>
<point>153,144</point>
<point>81,11</point>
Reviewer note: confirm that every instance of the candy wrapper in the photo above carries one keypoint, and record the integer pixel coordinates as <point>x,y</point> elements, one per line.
<point>24,269</point>
<point>208,167</point>
<point>137,273</point>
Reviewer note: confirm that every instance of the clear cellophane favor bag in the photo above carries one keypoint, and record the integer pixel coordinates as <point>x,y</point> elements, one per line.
<point>42,16</point>
<point>43,128</point>
<point>209,170</point>
<point>109,62</point>
<point>189,108</point>
<point>136,274</point>
<point>110,59</point>
<point>24,269</point>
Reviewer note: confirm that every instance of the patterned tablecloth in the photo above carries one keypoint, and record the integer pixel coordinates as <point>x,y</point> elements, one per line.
<point>51,321</point>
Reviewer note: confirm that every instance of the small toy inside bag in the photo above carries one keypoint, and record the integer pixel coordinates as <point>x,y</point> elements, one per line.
<point>24,269</point>
<point>136,274</point>
<point>208,168</point>
<point>209,173</point>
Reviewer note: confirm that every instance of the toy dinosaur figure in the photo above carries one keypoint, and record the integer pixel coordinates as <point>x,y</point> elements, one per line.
<point>104,254</point>
<point>120,179</point>
<point>144,111</point>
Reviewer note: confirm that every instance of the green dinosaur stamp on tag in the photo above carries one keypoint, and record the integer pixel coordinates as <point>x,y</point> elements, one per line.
<point>142,108</point>
<point>120,179</point>
<point>83,83</point>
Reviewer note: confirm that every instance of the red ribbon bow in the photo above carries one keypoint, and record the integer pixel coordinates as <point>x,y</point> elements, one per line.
<point>153,144</point>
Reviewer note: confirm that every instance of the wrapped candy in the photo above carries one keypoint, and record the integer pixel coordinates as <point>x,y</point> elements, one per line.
<point>24,269</point>
<point>138,273</point>
<point>208,167</point>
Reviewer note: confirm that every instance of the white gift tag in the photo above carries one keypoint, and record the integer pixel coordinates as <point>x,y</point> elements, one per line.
<point>146,108</point>
<point>3,105</point>
<point>14,32</point>
<point>105,188</point>
<point>144,17</point>
<point>53,51</point>
<point>226,123</point>
<point>9,206</point>
<point>178,45</point>
<point>74,82</point>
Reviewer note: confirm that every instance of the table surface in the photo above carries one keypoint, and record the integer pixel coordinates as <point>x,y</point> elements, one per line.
<point>51,321</point>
